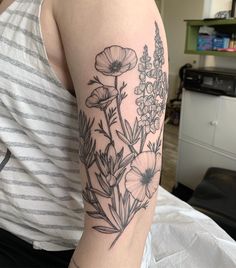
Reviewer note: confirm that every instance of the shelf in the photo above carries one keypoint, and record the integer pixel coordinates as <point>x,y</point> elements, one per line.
<point>221,25</point>
<point>211,53</point>
<point>211,22</point>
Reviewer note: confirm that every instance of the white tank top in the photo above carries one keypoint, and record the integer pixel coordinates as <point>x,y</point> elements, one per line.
<point>40,188</point>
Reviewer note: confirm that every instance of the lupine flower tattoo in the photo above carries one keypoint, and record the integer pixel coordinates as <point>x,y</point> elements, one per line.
<point>139,169</point>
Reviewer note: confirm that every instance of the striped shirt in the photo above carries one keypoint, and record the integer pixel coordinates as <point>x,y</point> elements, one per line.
<point>40,188</point>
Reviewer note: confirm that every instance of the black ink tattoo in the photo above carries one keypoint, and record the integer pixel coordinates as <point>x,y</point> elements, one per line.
<point>138,170</point>
<point>5,160</point>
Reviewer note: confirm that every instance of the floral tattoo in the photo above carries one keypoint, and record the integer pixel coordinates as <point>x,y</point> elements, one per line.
<point>133,168</point>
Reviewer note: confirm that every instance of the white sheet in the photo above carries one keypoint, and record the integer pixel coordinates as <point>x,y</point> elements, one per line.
<point>185,238</point>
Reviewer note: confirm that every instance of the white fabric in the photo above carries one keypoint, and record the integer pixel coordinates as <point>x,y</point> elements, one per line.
<point>185,238</point>
<point>40,187</point>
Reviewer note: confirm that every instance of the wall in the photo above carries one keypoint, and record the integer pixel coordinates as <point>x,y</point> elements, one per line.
<point>215,6</point>
<point>211,7</point>
<point>174,12</point>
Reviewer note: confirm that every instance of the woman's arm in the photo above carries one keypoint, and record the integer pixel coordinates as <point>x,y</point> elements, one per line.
<point>117,56</point>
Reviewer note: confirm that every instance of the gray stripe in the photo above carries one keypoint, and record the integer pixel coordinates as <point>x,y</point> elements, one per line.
<point>45,199</point>
<point>47,145</point>
<point>40,212</point>
<point>11,130</point>
<point>61,148</point>
<point>40,132</point>
<point>24,49</point>
<point>5,160</point>
<point>23,14</point>
<point>47,185</point>
<point>41,160</point>
<point>41,118</point>
<point>24,31</point>
<point>52,134</point>
<point>29,228</point>
<point>31,70</point>
<point>37,104</point>
<point>45,226</point>
<point>36,198</point>
<point>33,159</point>
<point>40,90</point>
<point>19,144</point>
<point>70,244</point>
<point>41,172</point>
<point>24,145</point>
<point>35,2</point>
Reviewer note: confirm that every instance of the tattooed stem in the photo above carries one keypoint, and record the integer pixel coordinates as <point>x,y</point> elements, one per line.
<point>114,242</point>
<point>133,211</point>
<point>118,103</point>
<point>88,177</point>
<point>134,206</point>
<point>132,214</point>
<point>113,199</point>
<point>143,140</point>
<point>108,127</point>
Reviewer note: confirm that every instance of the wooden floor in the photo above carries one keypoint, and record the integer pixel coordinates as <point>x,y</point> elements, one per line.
<point>170,149</point>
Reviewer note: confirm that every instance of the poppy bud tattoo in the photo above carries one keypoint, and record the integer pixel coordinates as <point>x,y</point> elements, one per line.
<point>136,166</point>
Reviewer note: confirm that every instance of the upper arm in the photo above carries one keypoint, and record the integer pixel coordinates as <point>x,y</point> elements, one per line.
<point>117,57</point>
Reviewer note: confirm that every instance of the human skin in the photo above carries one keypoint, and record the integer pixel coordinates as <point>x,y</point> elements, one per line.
<point>95,46</point>
<point>104,42</point>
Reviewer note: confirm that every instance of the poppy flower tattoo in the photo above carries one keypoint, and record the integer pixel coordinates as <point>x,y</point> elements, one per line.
<point>125,179</point>
<point>143,178</point>
<point>116,60</point>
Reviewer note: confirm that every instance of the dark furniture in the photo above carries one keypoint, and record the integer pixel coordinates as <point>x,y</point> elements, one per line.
<point>215,196</point>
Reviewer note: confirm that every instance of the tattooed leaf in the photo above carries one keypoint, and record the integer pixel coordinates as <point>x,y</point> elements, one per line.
<point>126,206</point>
<point>123,96</point>
<point>122,137</point>
<point>95,81</point>
<point>87,145</point>
<point>103,184</point>
<point>123,86</point>
<point>115,217</point>
<point>96,191</point>
<point>127,160</point>
<point>121,209</point>
<point>120,175</point>
<point>128,129</point>
<point>120,154</point>
<point>100,164</point>
<point>85,196</point>
<point>91,82</point>
<point>136,130</point>
<point>101,130</point>
<point>106,230</point>
<point>95,215</point>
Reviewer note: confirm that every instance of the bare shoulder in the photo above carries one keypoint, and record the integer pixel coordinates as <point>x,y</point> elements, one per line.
<point>92,10</point>
<point>120,21</point>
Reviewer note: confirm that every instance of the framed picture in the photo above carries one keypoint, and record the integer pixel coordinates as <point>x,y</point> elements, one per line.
<point>233,8</point>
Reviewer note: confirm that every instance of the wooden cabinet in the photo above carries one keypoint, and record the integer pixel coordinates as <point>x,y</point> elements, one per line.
<point>223,26</point>
<point>207,136</point>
